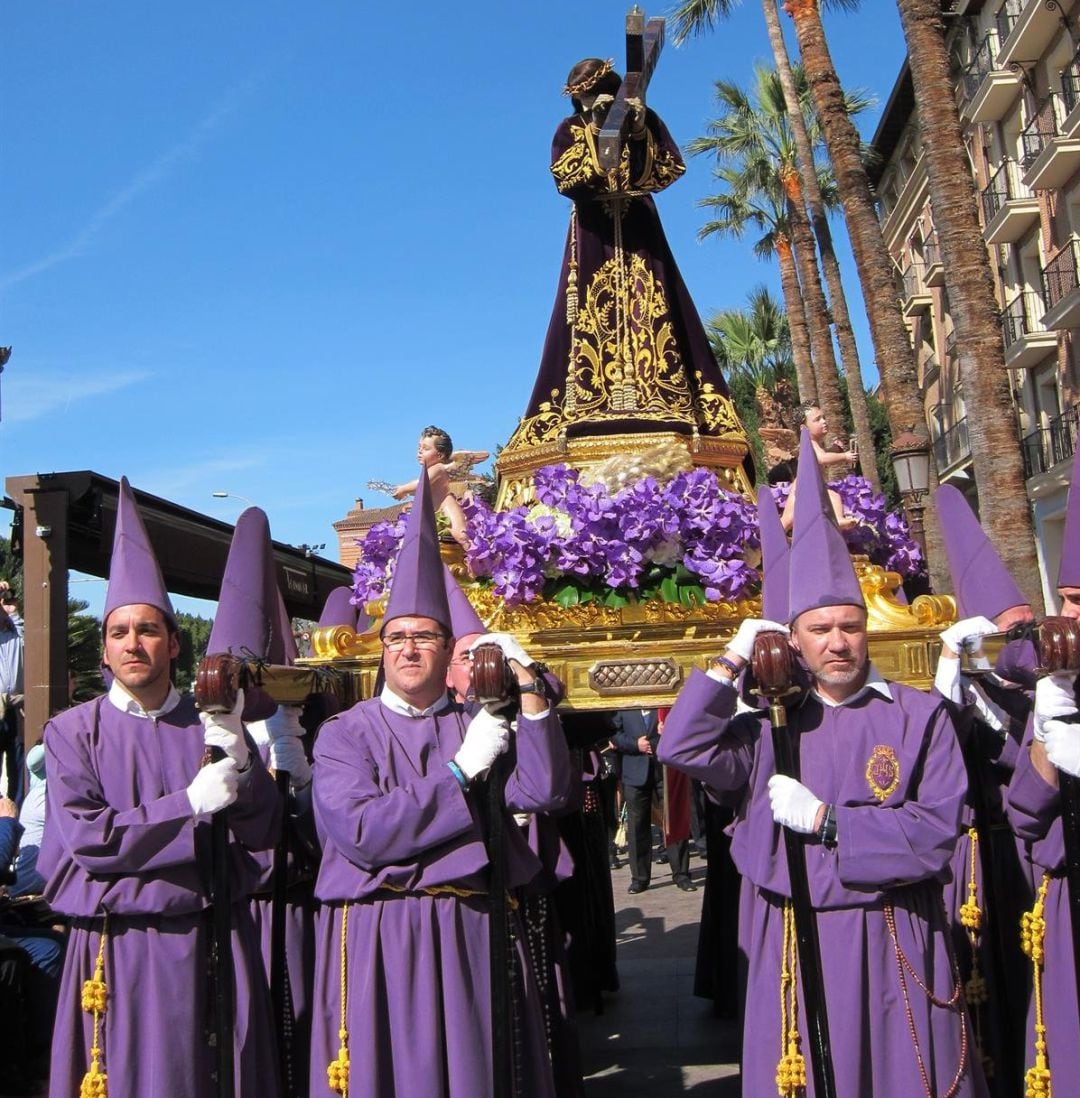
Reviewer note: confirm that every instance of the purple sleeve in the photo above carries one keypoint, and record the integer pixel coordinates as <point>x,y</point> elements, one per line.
<point>540,781</point>
<point>372,827</point>
<point>880,847</point>
<point>102,840</point>
<point>255,815</point>
<point>702,738</point>
<point>1031,802</point>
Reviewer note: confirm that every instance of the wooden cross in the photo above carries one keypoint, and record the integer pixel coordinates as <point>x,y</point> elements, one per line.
<point>644,41</point>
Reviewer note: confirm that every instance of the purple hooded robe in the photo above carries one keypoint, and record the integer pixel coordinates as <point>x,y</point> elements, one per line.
<point>121,840</point>
<point>402,846</point>
<point>893,768</point>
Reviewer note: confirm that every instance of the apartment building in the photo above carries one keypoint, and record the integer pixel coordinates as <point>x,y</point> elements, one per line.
<point>1017,66</point>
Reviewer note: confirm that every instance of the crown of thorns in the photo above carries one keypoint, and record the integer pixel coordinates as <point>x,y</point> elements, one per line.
<point>589,81</point>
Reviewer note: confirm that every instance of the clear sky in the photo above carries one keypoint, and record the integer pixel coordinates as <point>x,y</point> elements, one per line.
<point>255,247</point>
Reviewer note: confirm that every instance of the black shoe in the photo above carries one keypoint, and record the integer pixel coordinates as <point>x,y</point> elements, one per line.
<point>637,886</point>
<point>685,884</point>
<point>613,862</point>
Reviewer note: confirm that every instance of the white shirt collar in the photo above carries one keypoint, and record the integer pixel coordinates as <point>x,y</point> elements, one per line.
<point>123,701</point>
<point>400,705</point>
<point>874,682</point>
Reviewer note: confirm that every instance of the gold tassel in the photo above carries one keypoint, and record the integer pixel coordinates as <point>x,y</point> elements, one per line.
<point>791,1068</point>
<point>571,278</point>
<point>337,1072</point>
<point>1037,1083</point>
<point>95,994</point>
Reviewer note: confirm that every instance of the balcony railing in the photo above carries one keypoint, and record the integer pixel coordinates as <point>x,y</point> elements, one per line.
<point>1003,187</point>
<point>1059,274</point>
<point>931,251</point>
<point>1007,17</point>
<point>1022,316</point>
<point>1050,445</point>
<point>1039,132</point>
<point>952,446</point>
<point>914,280</point>
<point>1070,84</point>
<point>981,65</point>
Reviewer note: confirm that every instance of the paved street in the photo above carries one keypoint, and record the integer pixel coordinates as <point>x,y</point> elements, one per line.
<point>655,1037</point>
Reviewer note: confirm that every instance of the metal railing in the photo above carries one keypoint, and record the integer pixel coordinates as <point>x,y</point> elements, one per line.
<point>914,279</point>
<point>1022,316</point>
<point>1007,16</point>
<point>1041,129</point>
<point>931,251</point>
<point>1004,186</point>
<point>952,446</point>
<point>981,65</point>
<point>1059,274</point>
<point>1048,446</point>
<point>1070,84</point>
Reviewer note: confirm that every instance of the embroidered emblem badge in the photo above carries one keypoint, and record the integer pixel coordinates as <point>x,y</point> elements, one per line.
<point>883,771</point>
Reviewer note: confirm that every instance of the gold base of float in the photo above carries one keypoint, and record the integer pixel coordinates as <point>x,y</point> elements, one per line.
<point>639,655</point>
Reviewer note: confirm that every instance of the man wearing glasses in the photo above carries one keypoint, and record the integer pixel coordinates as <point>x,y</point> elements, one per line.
<point>403,931</point>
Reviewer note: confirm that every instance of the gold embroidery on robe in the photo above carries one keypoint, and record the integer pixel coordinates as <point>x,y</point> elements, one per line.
<point>579,164</point>
<point>882,771</point>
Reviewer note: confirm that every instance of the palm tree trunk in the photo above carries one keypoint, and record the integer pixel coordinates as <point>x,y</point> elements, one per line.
<point>800,335</point>
<point>892,343</point>
<point>817,310</point>
<point>845,335</point>
<point>1004,509</point>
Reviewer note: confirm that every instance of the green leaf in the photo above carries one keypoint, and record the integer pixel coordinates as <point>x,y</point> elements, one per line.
<point>567,595</point>
<point>613,598</point>
<point>669,589</point>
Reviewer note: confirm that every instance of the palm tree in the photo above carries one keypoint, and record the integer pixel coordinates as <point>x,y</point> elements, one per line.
<point>756,341</point>
<point>736,211</point>
<point>889,333</point>
<point>796,99</point>
<point>1004,511</point>
<point>754,134</point>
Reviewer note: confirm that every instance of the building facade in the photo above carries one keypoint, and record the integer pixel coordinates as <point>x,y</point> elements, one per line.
<point>1017,86</point>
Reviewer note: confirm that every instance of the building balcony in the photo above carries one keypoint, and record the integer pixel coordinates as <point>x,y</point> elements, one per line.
<point>1026,338</point>
<point>934,269</point>
<point>1050,445</point>
<point>910,201</point>
<point>1070,98</point>
<point>1009,208</point>
<point>987,89</point>
<point>1050,159</point>
<point>1026,27</point>
<point>1061,288</point>
<point>952,448</point>
<point>915,296</point>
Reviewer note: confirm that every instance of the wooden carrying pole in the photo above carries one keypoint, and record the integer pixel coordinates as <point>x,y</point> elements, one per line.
<point>774,670</point>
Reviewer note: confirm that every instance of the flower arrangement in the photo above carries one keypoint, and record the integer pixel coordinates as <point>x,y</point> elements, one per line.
<point>682,538</point>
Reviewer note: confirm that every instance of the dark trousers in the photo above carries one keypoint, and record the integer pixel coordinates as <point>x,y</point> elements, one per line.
<point>638,800</point>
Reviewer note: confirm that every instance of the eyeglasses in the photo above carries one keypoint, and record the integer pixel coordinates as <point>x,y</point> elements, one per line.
<point>395,642</point>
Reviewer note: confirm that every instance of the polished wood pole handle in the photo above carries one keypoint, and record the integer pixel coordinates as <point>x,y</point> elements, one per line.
<point>216,682</point>
<point>773,664</point>
<point>492,679</point>
<point>1058,641</point>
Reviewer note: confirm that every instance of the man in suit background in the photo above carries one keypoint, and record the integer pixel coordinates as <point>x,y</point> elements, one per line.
<point>636,736</point>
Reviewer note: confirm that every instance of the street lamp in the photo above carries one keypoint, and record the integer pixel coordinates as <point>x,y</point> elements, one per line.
<point>311,550</point>
<point>232,495</point>
<point>910,456</point>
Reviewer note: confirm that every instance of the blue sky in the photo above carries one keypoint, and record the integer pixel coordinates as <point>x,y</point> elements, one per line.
<point>255,247</point>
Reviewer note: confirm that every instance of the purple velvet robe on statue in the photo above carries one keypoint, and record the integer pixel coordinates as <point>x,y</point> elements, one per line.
<point>393,821</point>
<point>121,839</point>
<point>630,295</point>
<point>896,849</point>
<point>1034,808</point>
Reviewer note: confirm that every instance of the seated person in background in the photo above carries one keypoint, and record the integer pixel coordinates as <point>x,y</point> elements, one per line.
<point>831,462</point>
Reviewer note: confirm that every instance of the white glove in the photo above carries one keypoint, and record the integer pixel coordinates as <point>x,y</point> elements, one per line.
<point>947,679</point>
<point>286,749</point>
<point>511,649</point>
<point>742,644</point>
<point>226,730</point>
<point>964,634</point>
<point>486,738</point>
<point>1055,697</point>
<point>793,805</point>
<point>1062,743</point>
<point>214,787</point>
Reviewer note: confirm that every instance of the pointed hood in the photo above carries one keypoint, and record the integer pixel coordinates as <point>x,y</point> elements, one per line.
<point>417,589</point>
<point>981,581</point>
<point>820,568</point>
<point>774,559</point>
<point>283,648</point>
<point>246,623</point>
<point>338,609</point>
<point>464,620</point>
<point>1069,571</point>
<point>134,574</point>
